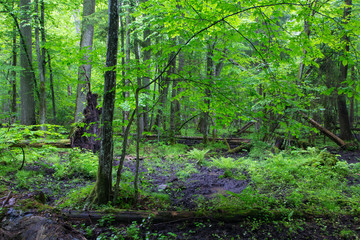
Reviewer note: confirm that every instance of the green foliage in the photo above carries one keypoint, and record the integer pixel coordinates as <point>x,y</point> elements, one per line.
<point>76,198</point>
<point>224,163</point>
<point>198,155</point>
<point>186,171</point>
<point>260,150</point>
<point>292,180</point>
<point>77,164</point>
<point>322,158</point>
<point>133,231</point>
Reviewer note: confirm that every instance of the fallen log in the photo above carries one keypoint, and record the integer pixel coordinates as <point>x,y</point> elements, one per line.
<point>63,143</point>
<point>178,137</point>
<point>230,215</point>
<point>129,216</point>
<point>323,130</point>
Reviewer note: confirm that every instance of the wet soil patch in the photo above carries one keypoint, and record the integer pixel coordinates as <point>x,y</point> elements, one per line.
<point>203,183</point>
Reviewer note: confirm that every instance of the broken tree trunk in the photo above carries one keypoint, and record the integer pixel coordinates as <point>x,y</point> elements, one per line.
<point>244,128</point>
<point>323,130</point>
<point>86,135</point>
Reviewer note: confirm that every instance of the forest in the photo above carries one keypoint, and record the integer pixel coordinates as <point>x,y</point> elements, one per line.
<point>179,119</point>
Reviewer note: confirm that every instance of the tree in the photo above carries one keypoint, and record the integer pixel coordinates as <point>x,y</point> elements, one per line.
<point>27,75</point>
<point>345,129</point>
<point>84,74</point>
<point>40,52</point>
<point>103,185</point>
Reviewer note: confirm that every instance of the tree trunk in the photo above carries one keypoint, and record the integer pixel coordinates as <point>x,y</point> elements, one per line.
<point>52,88</point>
<point>146,79</point>
<point>27,76</point>
<point>13,76</point>
<point>84,74</point>
<point>122,47</point>
<point>139,117</point>
<point>351,117</point>
<point>40,62</point>
<point>104,176</point>
<point>345,129</point>
<point>127,60</point>
<point>326,132</point>
<point>209,76</point>
<point>175,118</point>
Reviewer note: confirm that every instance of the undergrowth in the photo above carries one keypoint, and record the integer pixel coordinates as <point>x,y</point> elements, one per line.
<point>309,180</point>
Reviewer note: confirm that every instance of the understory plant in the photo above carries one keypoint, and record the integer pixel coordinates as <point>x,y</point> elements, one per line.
<point>301,180</point>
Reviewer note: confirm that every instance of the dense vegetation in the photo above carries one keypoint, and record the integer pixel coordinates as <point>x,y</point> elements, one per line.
<point>222,111</point>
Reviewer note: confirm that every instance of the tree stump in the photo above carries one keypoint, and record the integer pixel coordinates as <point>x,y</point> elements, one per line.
<point>87,134</point>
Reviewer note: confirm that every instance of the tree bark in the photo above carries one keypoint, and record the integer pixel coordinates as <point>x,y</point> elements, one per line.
<point>175,104</point>
<point>209,74</point>
<point>122,46</point>
<point>27,76</point>
<point>40,62</point>
<point>84,74</point>
<point>13,76</point>
<point>104,176</point>
<point>146,79</point>
<point>139,117</point>
<point>52,88</point>
<point>326,132</point>
<point>345,127</point>
<point>126,79</point>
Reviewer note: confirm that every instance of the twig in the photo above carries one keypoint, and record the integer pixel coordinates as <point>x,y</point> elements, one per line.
<point>6,200</point>
<point>23,162</point>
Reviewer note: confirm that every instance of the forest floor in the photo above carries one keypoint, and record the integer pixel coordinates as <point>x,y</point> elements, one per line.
<point>185,186</point>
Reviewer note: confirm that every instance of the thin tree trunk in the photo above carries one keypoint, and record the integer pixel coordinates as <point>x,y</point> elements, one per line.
<point>140,121</point>
<point>84,73</point>
<point>351,117</point>
<point>123,154</point>
<point>13,76</point>
<point>52,88</point>
<point>173,103</point>
<point>138,135</point>
<point>128,58</point>
<point>122,40</point>
<point>104,177</point>
<point>209,75</point>
<point>146,79</point>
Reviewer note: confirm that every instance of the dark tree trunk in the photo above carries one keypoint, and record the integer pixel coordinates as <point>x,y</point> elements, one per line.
<point>52,88</point>
<point>13,76</point>
<point>175,118</point>
<point>345,129</point>
<point>209,74</point>
<point>351,117</point>
<point>146,79</point>
<point>91,126</point>
<point>104,176</point>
